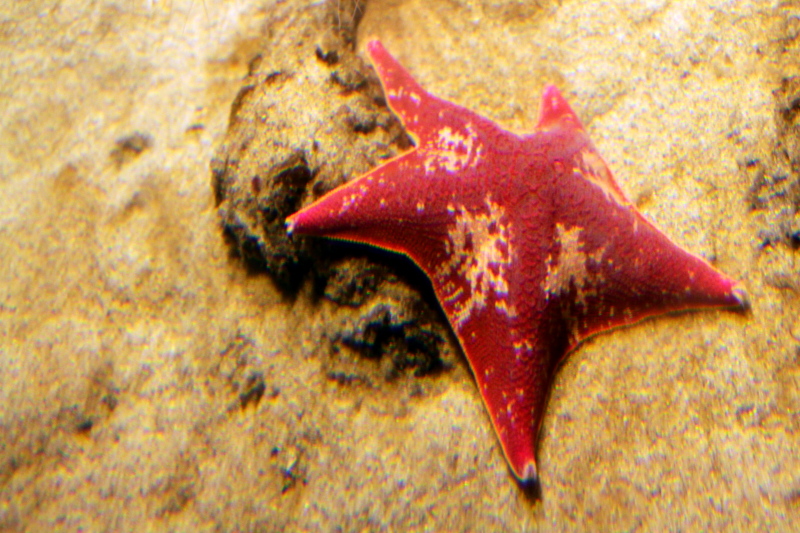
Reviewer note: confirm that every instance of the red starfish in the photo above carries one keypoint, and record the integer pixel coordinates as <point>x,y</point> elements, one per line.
<point>529,242</point>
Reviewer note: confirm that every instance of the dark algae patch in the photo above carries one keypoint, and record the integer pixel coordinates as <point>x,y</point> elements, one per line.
<point>309,116</point>
<point>775,175</point>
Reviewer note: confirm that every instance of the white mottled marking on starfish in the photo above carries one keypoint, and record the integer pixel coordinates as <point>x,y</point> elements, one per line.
<point>509,310</point>
<point>571,266</point>
<point>453,150</point>
<point>479,254</point>
<point>521,347</point>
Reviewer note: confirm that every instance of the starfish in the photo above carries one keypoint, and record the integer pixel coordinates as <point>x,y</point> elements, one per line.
<point>530,244</point>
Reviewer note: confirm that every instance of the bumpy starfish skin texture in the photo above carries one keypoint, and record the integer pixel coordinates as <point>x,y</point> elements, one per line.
<point>530,244</point>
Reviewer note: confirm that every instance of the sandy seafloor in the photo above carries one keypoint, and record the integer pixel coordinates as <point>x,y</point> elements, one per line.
<point>129,332</point>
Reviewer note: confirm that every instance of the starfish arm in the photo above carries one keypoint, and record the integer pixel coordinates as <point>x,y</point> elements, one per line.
<point>608,266</point>
<point>407,203</point>
<point>511,341</point>
<point>482,280</point>
<point>568,146</point>
<point>555,111</point>
<point>427,118</point>
<point>384,208</point>
<point>513,368</point>
<point>407,99</point>
<point>641,273</point>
